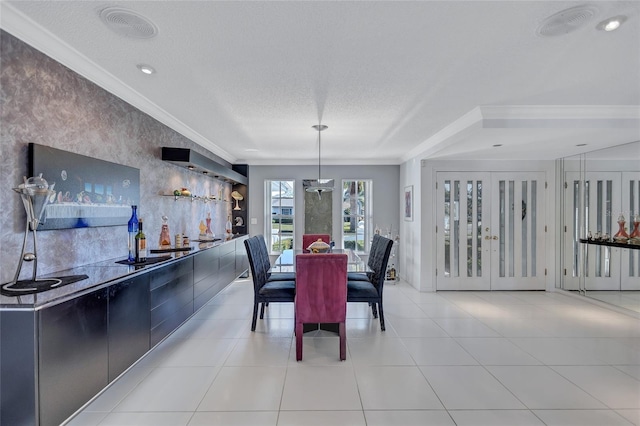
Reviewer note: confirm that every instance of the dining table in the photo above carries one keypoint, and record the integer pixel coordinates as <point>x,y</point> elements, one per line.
<point>286,262</point>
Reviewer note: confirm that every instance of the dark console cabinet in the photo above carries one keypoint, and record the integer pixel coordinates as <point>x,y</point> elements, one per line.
<point>73,359</point>
<point>128,323</point>
<point>171,297</point>
<point>56,357</point>
<point>206,273</point>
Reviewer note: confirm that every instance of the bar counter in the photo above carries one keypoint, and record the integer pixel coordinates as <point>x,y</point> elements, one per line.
<point>99,274</point>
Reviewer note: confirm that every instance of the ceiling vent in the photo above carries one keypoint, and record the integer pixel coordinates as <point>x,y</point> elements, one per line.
<point>128,23</point>
<point>566,21</point>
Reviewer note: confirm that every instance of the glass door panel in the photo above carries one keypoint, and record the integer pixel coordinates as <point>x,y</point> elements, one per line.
<point>517,231</point>
<point>462,252</point>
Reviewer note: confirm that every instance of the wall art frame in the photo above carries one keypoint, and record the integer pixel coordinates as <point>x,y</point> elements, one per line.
<point>408,203</point>
<point>88,192</point>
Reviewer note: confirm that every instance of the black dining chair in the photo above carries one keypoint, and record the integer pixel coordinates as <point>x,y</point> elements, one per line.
<point>274,276</point>
<point>366,276</point>
<point>265,289</point>
<point>370,291</point>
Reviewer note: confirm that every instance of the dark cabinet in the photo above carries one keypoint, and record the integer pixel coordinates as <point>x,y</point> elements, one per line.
<point>227,271</point>
<point>170,298</point>
<point>18,369</point>
<point>207,283</point>
<point>242,261</point>
<point>73,355</point>
<point>128,323</point>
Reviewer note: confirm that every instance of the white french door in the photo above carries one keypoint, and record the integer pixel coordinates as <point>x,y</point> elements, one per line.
<point>490,231</point>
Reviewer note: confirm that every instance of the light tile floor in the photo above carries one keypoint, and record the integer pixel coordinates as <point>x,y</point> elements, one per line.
<point>447,358</point>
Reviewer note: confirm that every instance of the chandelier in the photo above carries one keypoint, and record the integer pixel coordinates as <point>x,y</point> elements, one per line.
<point>321,185</point>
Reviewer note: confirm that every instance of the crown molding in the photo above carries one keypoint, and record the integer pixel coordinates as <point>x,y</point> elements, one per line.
<point>17,24</point>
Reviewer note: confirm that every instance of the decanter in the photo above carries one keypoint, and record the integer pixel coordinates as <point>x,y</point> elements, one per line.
<point>634,237</point>
<point>621,236</point>
<point>202,236</point>
<point>208,231</point>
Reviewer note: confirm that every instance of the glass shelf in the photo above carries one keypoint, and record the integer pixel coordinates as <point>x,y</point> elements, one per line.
<point>194,198</point>
<point>611,244</point>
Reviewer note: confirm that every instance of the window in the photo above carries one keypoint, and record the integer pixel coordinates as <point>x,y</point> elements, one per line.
<point>356,215</point>
<point>280,207</point>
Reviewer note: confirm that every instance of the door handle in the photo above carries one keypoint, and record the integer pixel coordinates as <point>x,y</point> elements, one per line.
<point>495,237</point>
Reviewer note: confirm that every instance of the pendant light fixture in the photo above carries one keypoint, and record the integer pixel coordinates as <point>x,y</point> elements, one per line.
<point>322,185</point>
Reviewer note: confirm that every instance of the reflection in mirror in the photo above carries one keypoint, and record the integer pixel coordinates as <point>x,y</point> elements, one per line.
<point>601,196</point>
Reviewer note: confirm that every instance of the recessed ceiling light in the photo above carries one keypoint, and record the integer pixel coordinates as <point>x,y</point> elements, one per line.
<point>611,24</point>
<point>251,150</point>
<point>146,69</point>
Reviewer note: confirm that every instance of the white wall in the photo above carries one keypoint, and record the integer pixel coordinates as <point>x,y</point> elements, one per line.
<point>410,231</point>
<point>386,207</point>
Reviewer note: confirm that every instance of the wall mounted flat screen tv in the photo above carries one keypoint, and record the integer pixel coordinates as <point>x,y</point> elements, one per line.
<point>88,192</point>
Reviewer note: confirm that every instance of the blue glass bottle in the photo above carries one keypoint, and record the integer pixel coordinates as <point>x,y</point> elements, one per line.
<point>133,230</point>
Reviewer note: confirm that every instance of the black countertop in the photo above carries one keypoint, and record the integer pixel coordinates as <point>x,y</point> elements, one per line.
<point>99,273</point>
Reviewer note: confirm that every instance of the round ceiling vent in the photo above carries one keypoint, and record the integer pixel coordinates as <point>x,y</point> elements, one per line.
<point>566,21</point>
<point>128,23</point>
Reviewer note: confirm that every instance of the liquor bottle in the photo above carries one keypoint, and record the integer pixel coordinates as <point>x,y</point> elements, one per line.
<point>165,236</point>
<point>133,230</point>
<point>392,272</point>
<point>141,244</point>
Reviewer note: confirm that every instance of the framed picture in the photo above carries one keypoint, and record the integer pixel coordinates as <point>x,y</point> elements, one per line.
<point>88,192</point>
<point>408,203</point>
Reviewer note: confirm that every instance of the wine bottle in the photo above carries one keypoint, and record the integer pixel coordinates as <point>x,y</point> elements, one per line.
<point>133,230</point>
<point>141,244</point>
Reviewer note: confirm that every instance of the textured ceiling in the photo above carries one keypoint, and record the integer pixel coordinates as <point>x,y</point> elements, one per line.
<point>392,80</point>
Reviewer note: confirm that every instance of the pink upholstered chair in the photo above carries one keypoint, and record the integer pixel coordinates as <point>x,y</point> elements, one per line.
<point>321,294</point>
<point>308,239</point>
